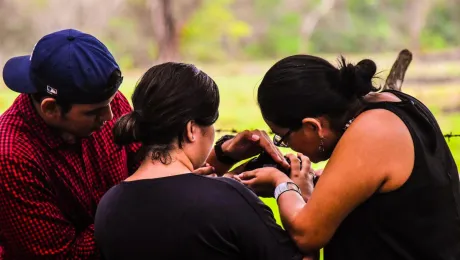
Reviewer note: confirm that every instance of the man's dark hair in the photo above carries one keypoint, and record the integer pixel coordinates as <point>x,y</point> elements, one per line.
<point>166,98</point>
<point>66,105</point>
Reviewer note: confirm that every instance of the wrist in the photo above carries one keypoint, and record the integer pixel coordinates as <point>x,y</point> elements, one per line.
<point>221,149</point>
<point>284,187</point>
<point>280,178</point>
<point>226,147</point>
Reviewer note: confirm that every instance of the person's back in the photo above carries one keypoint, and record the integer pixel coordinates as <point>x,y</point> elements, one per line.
<point>166,211</point>
<point>421,219</point>
<point>188,216</point>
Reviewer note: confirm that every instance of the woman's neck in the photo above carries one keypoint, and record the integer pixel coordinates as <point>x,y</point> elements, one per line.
<point>152,169</point>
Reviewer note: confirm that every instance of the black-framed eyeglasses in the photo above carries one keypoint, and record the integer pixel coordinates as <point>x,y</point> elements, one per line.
<point>281,140</point>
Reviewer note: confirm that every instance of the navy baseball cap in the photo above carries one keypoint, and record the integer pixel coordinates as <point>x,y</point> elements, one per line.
<point>69,65</point>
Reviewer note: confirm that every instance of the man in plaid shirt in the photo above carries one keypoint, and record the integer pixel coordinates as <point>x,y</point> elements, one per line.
<point>57,157</point>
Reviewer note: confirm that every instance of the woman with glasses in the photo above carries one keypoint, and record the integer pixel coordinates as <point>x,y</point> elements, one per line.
<point>390,188</point>
<point>164,210</point>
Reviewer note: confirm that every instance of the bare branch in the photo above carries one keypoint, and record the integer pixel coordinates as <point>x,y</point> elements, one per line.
<point>396,77</point>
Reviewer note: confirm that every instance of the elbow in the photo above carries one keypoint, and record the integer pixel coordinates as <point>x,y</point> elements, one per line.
<point>310,241</point>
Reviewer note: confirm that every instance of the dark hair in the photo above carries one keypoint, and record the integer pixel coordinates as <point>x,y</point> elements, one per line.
<point>166,98</point>
<point>308,86</point>
<point>66,105</point>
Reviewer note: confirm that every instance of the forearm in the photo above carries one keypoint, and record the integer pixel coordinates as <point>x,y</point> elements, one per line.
<point>34,226</point>
<point>66,245</point>
<point>290,203</point>
<point>305,232</point>
<point>84,246</point>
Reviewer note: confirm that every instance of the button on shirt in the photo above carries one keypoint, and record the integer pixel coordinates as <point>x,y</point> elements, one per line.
<point>49,190</point>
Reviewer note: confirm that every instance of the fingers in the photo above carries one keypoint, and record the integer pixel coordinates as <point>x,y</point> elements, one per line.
<point>239,169</point>
<point>206,170</point>
<point>306,163</point>
<point>266,143</point>
<point>232,176</point>
<point>295,165</point>
<point>319,172</point>
<point>253,136</point>
<point>248,182</point>
<point>235,177</point>
<point>247,175</point>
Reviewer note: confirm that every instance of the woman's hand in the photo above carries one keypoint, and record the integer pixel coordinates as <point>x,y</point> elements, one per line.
<point>263,181</point>
<point>206,170</point>
<point>250,143</point>
<point>303,177</point>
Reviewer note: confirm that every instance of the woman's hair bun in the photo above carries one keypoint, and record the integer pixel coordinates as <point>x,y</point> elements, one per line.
<point>366,69</point>
<point>126,129</point>
<point>356,80</point>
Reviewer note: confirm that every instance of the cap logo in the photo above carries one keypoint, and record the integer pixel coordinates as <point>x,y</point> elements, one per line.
<point>51,90</point>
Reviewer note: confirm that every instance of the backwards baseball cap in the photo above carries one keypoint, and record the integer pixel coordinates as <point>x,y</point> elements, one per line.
<point>69,65</point>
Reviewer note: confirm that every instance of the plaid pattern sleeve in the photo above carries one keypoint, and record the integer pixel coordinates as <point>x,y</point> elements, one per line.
<point>31,222</point>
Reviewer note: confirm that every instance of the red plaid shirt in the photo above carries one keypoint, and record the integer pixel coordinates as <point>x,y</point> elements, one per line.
<point>49,189</point>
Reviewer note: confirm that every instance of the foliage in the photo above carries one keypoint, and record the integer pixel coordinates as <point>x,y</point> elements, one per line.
<point>218,30</point>
<point>213,32</point>
<point>442,29</point>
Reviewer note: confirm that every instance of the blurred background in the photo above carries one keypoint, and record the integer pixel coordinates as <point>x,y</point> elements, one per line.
<point>236,42</point>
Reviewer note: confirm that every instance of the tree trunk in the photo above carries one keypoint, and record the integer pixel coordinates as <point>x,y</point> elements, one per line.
<point>310,20</point>
<point>395,78</point>
<point>416,14</point>
<point>165,30</point>
<point>168,17</point>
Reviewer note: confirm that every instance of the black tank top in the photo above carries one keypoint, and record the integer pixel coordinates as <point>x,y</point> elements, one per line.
<point>421,219</point>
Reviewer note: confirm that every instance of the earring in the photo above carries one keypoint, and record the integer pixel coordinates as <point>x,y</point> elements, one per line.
<point>321,144</point>
<point>193,138</point>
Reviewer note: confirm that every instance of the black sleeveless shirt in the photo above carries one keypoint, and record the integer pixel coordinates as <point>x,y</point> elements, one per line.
<point>421,219</point>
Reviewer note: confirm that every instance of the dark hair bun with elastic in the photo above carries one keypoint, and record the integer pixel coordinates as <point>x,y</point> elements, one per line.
<point>356,80</point>
<point>126,129</point>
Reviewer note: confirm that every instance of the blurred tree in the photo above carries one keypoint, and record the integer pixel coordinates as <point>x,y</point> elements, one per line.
<point>416,15</point>
<point>168,19</point>
<point>140,32</point>
<point>310,20</point>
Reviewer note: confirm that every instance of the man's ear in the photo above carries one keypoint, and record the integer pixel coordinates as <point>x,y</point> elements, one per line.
<point>312,124</point>
<point>191,131</point>
<point>50,108</point>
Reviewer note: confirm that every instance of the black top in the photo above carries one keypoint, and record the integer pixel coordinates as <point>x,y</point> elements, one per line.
<point>421,219</point>
<point>188,217</point>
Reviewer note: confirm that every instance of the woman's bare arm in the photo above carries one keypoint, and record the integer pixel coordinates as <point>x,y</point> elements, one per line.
<point>375,154</point>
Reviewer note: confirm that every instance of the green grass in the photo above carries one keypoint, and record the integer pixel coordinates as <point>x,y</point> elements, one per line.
<point>238,109</point>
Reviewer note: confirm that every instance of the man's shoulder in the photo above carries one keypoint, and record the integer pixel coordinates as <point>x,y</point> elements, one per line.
<point>18,152</point>
<point>16,137</point>
<point>120,105</point>
<point>17,145</point>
